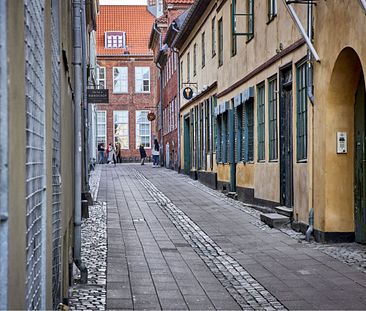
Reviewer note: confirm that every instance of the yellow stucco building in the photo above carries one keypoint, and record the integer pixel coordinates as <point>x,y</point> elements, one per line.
<point>277,114</point>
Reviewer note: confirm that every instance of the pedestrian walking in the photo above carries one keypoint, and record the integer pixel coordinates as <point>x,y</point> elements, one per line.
<point>142,154</point>
<point>156,153</point>
<point>101,153</point>
<point>111,154</point>
<point>118,153</point>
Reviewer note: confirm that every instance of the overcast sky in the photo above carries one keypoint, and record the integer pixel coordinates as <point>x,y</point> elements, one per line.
<point>123,2</point>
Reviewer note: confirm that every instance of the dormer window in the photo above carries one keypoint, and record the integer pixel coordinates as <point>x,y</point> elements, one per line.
<point>115,40</point>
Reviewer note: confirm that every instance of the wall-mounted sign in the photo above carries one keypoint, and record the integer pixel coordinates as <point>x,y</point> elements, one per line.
<point>341,142</point>
<point>98,96</point>
<point>151,116</point>
<point>187,93</point>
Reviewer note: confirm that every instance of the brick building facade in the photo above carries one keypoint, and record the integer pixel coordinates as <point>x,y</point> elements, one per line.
<point>126,69</point>
<point>166,58</point>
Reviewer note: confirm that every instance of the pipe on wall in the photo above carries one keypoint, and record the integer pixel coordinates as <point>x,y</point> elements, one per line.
<point>77,46</point>
<point>85,116</point>
<point>4,186</point>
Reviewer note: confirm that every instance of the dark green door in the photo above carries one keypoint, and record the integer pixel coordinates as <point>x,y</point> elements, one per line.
<point>187,146</point>
<point>360,164</point>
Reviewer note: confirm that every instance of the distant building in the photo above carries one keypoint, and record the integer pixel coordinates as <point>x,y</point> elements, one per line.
<point>163,32</point>
<point>126,69</point>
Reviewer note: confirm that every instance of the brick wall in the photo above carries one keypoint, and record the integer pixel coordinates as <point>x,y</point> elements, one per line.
<point>130,101</point>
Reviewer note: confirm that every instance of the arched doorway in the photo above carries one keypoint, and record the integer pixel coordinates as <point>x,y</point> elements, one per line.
<point>345,171</point>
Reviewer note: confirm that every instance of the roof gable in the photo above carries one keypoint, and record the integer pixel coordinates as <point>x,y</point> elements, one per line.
<point>134,20</point>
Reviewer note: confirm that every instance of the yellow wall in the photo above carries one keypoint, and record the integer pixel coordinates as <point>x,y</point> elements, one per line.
<point>266,41</point>
<point>223,172</point>
<point>335,80</point>
<point>245,175</point>
<point>208,74</point>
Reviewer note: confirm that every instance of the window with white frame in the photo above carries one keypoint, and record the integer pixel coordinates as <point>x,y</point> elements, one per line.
<point>101,78</point>
<point>102,128</point>
<point>120,120</point>
<point>114,39</point>
<point>120,79</point>
<point>142,79</point>
<point>143,129</point>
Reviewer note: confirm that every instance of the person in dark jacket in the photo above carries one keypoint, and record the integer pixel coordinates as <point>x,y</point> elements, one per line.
<point>142,154</point>
<point>155,153</point>
<point>101,153</point>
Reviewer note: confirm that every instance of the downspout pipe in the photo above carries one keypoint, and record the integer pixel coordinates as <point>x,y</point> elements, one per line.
<point>309,76</point>
<point>85,116</point>
<point>161,121</point>
<point>162,147</point>
<point>178,110</point>
<point>77,46</point>
<point>309,65</point>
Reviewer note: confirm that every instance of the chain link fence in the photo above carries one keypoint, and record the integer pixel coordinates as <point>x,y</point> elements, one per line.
<point>35,152</point>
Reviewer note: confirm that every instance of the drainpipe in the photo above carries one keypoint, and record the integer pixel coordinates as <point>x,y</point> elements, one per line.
<point>77,10</point>
<point>162,147</point>
<point>4,186</point>
<point>309,74</point>
<point>85,187</point>
<point>178,110</point>
<point>161,121</point>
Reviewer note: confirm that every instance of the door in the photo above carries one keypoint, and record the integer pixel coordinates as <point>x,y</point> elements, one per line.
<point>187,146</point>
<point>286,162</point>
<point>360,162</point>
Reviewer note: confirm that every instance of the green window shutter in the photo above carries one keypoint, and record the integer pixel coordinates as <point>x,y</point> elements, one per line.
<point>218,139</point>
<point>250,130</point>
<point>301,113</point>
<point>261,125</point>
<point>238,132</point>
<point>224,138</point>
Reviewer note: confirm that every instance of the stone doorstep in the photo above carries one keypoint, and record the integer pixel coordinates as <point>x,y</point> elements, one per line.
<point>275,220</point>
<point>284,210</point>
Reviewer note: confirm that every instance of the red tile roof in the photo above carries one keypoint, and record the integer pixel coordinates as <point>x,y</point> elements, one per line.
<point>135,20</point>
<point>179,1</point>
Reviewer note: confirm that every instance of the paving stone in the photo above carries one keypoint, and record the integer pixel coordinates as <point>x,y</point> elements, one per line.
<point>225,236</point>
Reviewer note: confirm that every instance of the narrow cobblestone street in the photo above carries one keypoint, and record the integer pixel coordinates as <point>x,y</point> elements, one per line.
<point>175,244</point>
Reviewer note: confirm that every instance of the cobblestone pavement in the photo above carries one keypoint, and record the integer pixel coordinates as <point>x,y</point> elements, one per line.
<point>92,296</point>
<point>247,292</point>
<point>176,245</point>
<point>353,254</point>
